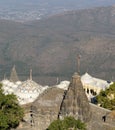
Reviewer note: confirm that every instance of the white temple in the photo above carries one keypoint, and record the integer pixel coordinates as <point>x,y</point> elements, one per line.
<point>93,86</point>
<point>28,91</point>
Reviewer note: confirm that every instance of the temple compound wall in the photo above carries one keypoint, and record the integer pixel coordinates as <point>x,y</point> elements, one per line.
<point>101,119</point>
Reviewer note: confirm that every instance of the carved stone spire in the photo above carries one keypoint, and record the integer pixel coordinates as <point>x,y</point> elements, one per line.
<point>4,76</point>
<point>78,63</point>
<point>75,102</point>
<point>30,74</point>
<point>13,76</point>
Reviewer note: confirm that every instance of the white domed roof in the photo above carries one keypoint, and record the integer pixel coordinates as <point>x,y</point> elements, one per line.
<point>18,82</point>
<point>5,82</point>
<point>94,82</point>
<point>29,85</point>
<point>63,85</point>
<point>86,78</point>
<point>28,91</point>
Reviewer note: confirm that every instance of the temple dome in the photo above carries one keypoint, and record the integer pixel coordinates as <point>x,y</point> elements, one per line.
<point>63,85</point>
<point>29,85</point>
<point>94,82</point>
<point>88,79</point>
<point>8,86</point>
<point>28,91</point>
<point>5,82</point>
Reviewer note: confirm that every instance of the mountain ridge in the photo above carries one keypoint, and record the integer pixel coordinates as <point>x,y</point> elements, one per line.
<point>50,46</point>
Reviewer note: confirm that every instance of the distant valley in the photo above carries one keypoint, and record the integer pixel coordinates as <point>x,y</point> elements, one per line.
<point>50,46</point>
<point>30,10</point>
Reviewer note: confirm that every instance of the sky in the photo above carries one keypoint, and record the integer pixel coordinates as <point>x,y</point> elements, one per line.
<point>69,3</point>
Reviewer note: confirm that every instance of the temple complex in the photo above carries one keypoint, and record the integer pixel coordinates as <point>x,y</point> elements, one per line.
<point>26,91</point>
<point>55,102</point>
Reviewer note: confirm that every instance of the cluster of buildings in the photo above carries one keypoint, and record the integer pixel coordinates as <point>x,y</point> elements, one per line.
<point>46,103</point>
<point>28,91</point>
<point>69,100</point>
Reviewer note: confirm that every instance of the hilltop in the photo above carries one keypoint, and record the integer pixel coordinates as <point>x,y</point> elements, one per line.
<point>50,46</point>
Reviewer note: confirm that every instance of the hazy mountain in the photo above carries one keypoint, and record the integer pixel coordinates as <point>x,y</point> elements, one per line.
<point>28,10</point>
<point>51,46</point>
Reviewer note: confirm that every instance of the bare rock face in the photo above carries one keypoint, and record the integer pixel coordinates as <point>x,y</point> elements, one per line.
<point>75,102</point>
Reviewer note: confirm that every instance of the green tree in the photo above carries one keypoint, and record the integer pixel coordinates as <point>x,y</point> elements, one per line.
<point>55,125</point>
<point>107,98</point>
<point>10,111</point>
<point>66,124</point>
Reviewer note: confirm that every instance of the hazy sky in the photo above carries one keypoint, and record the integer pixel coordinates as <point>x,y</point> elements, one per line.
<point>76,3</point>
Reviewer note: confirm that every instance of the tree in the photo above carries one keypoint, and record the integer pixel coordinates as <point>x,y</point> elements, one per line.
<point>56,125</point>
<point>107,98</point>
<point>10,111</point>
<point>66,124</point>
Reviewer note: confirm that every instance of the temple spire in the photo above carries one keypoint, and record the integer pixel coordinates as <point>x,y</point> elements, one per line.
<point>75,102</point>
<point>30,74</point>
<point>13,76</point>
<point>57,80</point>
<point>78,63</point>
<point>4,76</point>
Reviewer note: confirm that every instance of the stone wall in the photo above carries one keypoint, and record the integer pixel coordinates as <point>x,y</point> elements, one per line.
<point>97,122</point>
<point>42,119</point>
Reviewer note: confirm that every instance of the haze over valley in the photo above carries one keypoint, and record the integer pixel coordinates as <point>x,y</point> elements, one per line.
<point>49,41</point>
<point>29,10</point>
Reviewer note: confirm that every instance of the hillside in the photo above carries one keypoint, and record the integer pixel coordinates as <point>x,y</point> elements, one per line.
<point>50,46</point>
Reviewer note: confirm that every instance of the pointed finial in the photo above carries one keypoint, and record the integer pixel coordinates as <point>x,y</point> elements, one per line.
<point>57,81</point>
<point>30,74</point>
<point>14,67</point>
<point>78,63</point>
<point>87,70</point>
<point>4,76</point>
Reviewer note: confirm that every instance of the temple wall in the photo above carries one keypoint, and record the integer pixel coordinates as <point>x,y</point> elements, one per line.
<point>97,122</point>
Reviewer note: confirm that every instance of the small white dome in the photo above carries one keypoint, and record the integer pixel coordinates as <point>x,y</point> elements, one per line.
<point>63,85</point>
<point>5,82</point>
<point>86,78</point>
<point>18,82</point>
<point>28,91</point>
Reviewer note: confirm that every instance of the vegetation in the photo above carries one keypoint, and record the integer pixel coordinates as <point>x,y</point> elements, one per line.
<point>107,98</point>
<point>10,112</point>
<point>66,124</point>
